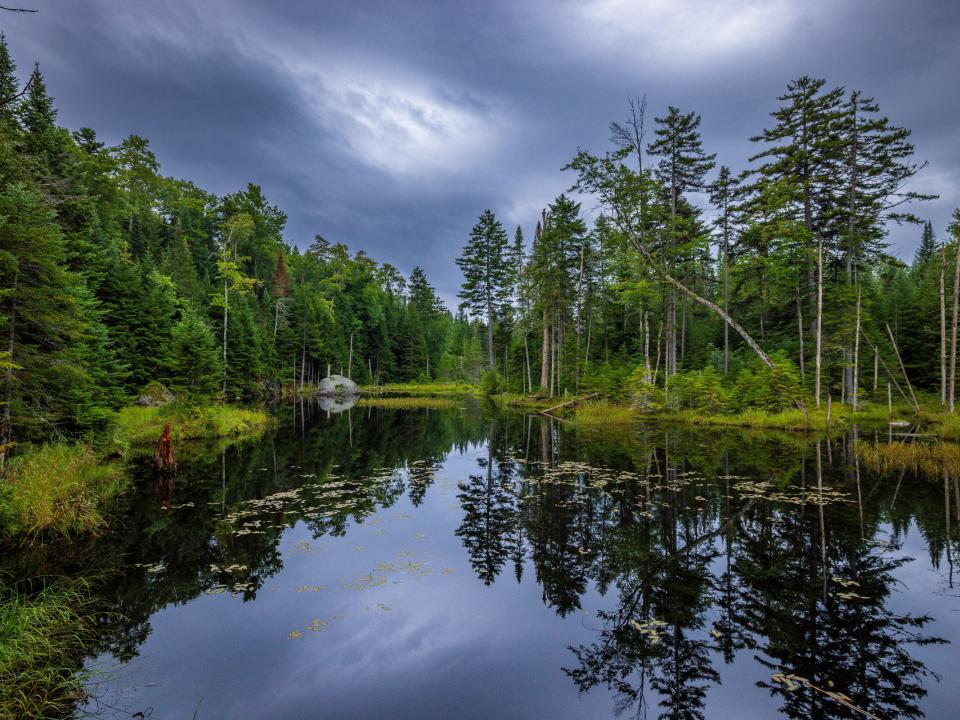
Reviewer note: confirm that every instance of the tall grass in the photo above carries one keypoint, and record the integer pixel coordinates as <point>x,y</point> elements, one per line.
<point>421,389</point>
<point>603,414</point>
<point>142,425</point>
<point>42,639</point>
<point>412,403</point>
<point>57,489</point>
<point>925,458</point>
<point>753,418</point>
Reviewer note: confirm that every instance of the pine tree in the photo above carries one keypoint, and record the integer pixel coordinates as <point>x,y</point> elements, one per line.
<point>486,273</point>
<point>722,195</point>
<point>683,167</point>
<point>195,366</point>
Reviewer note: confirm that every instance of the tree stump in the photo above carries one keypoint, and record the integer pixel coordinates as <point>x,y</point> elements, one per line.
<point>163,457</point>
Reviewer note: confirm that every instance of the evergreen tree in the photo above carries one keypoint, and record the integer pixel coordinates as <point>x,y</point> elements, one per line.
<point>486,273</point>
<point>195,366</point>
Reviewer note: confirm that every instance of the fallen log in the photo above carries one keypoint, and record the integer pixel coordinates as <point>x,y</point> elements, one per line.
<point>568,402</point>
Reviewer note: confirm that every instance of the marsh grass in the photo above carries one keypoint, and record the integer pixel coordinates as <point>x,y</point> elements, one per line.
<point>142,425</point>
<point>784,420</point>
<point>57,489</point>
<point>412,403</point>
<point>933,459</point>
<point>43,635</point>
<point>603,414</point>
<point>420,389</point>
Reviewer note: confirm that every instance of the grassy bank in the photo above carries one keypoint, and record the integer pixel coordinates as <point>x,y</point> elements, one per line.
<point>56,490</point>
<point>438,389</point>
<point>411,402</point>
<point>143,425</point>
<point>42,639</point>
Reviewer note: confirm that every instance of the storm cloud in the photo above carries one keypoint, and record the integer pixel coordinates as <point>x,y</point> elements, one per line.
<point>390,126</point>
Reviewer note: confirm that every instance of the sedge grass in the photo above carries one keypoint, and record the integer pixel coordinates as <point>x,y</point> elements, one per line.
<point>142,425</point>
<point>56,490</point>
<point>43,635</point>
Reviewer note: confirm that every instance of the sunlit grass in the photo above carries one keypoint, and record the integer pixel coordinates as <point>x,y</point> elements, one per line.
<point>57,489</point>
<point>42,639</point>
<point>412,403</point>
<point>601,414</point>
<point>420,389</point>
<point>927,458</point>
<point>142,425</point>
<point>794,419</point>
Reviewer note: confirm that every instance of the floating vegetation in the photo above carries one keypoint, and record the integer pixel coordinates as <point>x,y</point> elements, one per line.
<point>650,629</point>
<point>792,495</point>
<point>295,635</point>
<point>793,682</point>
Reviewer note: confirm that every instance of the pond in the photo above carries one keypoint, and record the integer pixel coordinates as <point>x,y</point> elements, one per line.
<point>470,563</point>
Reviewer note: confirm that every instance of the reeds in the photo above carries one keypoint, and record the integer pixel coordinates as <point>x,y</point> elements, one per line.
<point>932,459</point>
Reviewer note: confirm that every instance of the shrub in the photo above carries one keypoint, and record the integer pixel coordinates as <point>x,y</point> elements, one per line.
<point>698,390</point>
<point>771,389</point>
<point>490,383</point>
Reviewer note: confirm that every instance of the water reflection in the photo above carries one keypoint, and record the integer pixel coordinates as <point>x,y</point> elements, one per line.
<point>684,559</point>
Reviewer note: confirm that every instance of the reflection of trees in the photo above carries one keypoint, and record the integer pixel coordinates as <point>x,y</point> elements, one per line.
<point>488,515</point>
<point>828,623</point>
<point>698,571</point>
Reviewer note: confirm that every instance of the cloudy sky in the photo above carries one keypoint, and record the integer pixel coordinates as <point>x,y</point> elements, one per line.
<point>390,126</point>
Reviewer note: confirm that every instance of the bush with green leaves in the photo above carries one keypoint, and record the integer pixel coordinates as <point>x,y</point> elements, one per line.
<point>768,388</point>
<point>698,390</point>
<point>490,383</point>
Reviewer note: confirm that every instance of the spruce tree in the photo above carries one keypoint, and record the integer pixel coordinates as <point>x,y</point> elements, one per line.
<point>486,273</point>
<point>683,167</point>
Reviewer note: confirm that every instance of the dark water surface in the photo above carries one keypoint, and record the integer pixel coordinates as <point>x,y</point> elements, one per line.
<point>462,563</point>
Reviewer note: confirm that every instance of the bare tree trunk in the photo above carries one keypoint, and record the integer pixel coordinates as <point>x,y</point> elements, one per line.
<point>903,369</point>
<point>526,353</point>
<point>726,301</point>
<point>303,360</point>
<point>350,361</point>
<point>819,339</point>
<point>951,395</point>
<point>490,333</point>
<point>683,330</point>
<point>225,304</point>
<point>545,373</point>
<point>943,328</point>
<point>800,329</point>
<point>646,347</point>
<point>856,356</point>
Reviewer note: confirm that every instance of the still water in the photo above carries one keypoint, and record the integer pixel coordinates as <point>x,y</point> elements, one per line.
<point>465,563</point>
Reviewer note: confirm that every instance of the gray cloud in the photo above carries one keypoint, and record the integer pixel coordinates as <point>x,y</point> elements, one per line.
<point>391,126</point>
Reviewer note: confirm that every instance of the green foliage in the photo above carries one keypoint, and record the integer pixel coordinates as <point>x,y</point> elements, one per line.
<point>143,425</point>
<point>195,366</point>
<point>490,383</point>
<point>57,489</point>
<point>771,389</point>
<point>43,636</point>
<point>698,389</point>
